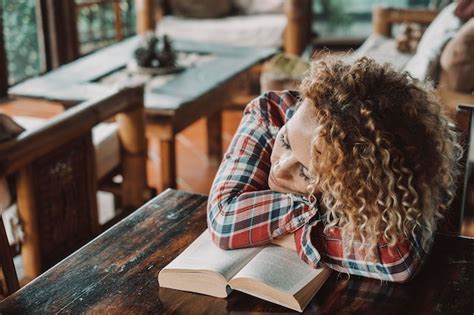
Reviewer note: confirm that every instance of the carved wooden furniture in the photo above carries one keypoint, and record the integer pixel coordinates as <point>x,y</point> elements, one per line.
<point>7,268</point>
<point>117,273</point>
<point>384,18</point>
<point>296,35</point>
<point>56,182</point>
<point>201,91</point>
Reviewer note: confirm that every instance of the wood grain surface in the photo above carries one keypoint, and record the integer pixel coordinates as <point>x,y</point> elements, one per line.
<point>117,273</point>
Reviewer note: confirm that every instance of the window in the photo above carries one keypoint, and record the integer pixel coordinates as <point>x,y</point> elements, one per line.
<point>21,39</point>
<point>103,22</point>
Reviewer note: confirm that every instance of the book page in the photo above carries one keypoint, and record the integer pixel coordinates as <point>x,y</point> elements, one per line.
<point>203,254</point>
<point>279,268</point>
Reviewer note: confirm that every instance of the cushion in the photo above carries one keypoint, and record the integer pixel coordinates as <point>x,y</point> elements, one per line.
<point>259,6</point>
<point>263,30</point>
<point>9,128</point>
<point>202,9</point>
<point>12,224</point>
<point>465,9</point>
<point>283,72</point>
<point>5,196</point>
<point>382,49</point>
<point>457,61</point>
<point>425,64</point>
<point>409,37</point>
<point>107,147</point>
<point>104,136</point>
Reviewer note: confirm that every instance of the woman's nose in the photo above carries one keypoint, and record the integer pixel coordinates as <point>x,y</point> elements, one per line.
<point>284,167</point>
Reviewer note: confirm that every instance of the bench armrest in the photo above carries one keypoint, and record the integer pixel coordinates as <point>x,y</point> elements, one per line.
<point>384,17</point>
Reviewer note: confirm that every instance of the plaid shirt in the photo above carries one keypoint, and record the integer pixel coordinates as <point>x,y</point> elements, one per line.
<point>243,211</point>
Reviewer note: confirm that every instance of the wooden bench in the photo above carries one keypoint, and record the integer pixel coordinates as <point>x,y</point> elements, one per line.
<point>56,182</point>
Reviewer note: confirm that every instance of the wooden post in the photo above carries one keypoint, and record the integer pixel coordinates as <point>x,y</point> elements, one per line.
<point>118,21</point>
<point>381,23</point>
<point>298,30</point>
<point>3,61</point>
<point>145,16</point>
<point>27,211</point>
<point>92,182</point>
<point>6,261</point>
<point>132,136</point>
<point>168,163</point>
<point>59,37</point>
<point>455,215</point>
<point>214,137</point>
<point>161,154</point>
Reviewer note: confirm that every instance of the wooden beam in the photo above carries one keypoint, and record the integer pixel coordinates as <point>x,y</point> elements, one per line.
<point>383,18</point>
<point>6,261</point>
<point>134,154</point>
<point>32,144</point>
<point>3,61</point>
<point>298,30</point>
<point>58,36</point>
<point>145,16</point>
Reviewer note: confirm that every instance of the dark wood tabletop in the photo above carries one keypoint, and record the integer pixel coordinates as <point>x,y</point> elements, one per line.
<point>117,273</point>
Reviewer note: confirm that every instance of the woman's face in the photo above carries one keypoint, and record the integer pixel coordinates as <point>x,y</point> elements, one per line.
<point>291,153</point>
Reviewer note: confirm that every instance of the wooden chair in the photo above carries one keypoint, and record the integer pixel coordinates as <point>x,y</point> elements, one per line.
<point>6,263</point>
<point>465,127</point>
<point>56,182</point>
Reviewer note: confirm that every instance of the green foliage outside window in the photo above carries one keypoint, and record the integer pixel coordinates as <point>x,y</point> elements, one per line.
<point>96,23</point>
<point>20,36</point>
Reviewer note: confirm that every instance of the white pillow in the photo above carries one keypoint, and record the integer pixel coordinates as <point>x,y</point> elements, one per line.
<point>259,6</point>
<point>425,63</point>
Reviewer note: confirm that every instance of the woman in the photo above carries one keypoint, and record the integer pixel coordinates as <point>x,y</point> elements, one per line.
<point>360,175</point>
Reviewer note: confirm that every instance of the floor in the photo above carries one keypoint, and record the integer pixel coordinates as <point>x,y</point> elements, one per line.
<point>195,171</point>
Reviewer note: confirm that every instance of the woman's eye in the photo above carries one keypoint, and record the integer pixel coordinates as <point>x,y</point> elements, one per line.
<point>285,144</point>
<point>303,173</point>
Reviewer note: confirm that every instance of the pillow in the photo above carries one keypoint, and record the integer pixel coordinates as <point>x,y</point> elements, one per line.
<point>201,9</point>
<point>465,10</point>
<point>425,63</point>
<point>259,6</point>
<point>9,128</point>
<point>409,37</point>
<point>457,61</point>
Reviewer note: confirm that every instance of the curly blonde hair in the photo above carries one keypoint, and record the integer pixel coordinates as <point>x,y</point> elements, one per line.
<point>386,159</point>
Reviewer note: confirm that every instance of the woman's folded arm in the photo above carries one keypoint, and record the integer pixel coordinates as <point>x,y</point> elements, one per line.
<point>242,211</point>
<point>399,263</point>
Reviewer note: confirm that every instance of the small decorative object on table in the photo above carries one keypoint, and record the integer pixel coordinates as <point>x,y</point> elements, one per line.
<point>154,56</point>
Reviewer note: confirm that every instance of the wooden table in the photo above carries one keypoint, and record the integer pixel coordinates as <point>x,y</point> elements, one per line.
<point>201,91</point>
<point>117,273</point>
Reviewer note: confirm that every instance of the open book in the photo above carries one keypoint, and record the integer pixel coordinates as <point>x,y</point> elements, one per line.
<point>272,273</point>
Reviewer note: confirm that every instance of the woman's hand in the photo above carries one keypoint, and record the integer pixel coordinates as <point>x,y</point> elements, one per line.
<point>287,241</point>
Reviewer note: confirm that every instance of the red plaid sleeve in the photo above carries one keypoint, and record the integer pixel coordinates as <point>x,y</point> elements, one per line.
<point>242,211</point>
<point>399,263</point>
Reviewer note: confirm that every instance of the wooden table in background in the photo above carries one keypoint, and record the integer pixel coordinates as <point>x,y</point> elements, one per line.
<point>117,273</point>
<point>200,91</point>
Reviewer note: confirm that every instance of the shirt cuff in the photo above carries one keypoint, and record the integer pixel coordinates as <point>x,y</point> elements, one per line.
<point>306,250</point>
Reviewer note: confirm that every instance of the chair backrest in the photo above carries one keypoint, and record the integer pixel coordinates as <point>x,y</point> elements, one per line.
<point>464,125</point>
<point>6,262</point>
<point>56,182</point>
